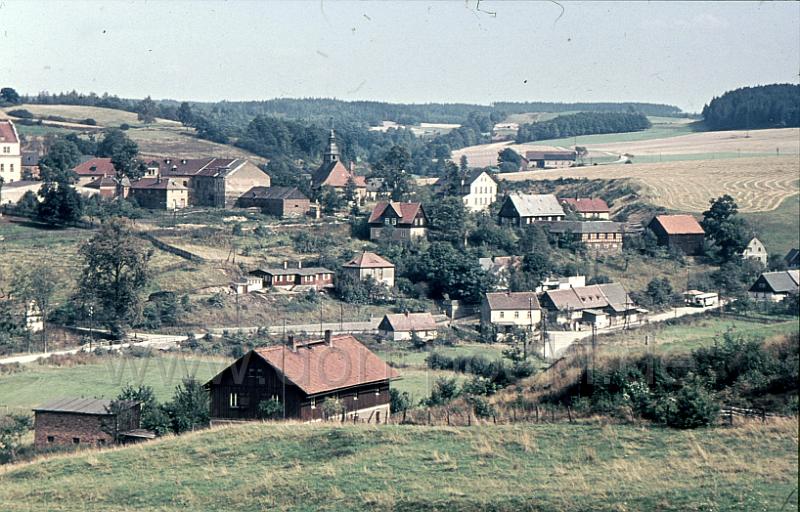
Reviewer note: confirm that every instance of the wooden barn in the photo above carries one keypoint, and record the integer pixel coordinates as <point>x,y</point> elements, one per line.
<point>678,232</point>
<point>330,378</point>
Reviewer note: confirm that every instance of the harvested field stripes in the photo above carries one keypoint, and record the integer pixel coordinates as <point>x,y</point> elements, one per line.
<point>756,184</point>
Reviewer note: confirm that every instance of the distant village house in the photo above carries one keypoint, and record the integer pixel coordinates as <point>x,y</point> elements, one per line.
<point>553,159</point>
<point>588,208</point>
<point>599,237</point>
<point>478,190</point>
<point>10,153</point>
<point>398,221</point>
<point>295,279</point>
<point>775,286</point>
<point>521,210</point>
<point>755,250</point>
<point>277,201</point>
<point>403,326</point>
<point>511,310</point>
<point>369,265</point>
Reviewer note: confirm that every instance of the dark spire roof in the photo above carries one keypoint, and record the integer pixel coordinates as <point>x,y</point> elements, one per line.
<point>332,151</point>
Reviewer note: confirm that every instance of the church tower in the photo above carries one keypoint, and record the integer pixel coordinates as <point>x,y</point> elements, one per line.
<point>332,151</point>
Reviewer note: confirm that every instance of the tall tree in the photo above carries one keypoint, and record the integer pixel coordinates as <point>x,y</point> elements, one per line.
<point>188,409</point>
<point>57,165</point>
<point>147,110</point>
<point>35,285</point>
<point>394,168</point>
<point>9,95</point>
<point>448,220</point>
<point>60,203</point>
<point>185,114</point>
<point>124,158</point>
<point>722,224</point>
<point>114,273</point>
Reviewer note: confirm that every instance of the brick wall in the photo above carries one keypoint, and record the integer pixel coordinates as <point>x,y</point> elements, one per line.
<point>62,429</point>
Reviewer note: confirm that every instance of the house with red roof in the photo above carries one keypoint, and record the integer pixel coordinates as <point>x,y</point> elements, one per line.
<point>216,182</point>
<point>333,378</point>
<point>10,152</point>
<point>369,265</point>
<point>681,232</point>
<point>398,221</point>
<point>592,208</point>
<point>90,170</point>
<point>333,173</point>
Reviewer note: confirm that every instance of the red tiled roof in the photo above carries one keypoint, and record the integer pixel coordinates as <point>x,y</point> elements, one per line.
<point>95,167</point>
<point>319,368</point>
<point>406,212</point>
<point>335,174</point>
<point>587,205</point>
<point>7,132</point>
<point>680,225</point>
<point>103,182</point>
<point>368,260</point>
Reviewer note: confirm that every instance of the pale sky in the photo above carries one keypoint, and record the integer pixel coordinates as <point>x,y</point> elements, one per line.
<point>419,51</point>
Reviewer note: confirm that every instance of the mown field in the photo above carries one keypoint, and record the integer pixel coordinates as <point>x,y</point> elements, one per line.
<point>757,184</point>
<point>39,383</point>
<point>779,229</point>
<point>105,117</point>
<point>558,467</point>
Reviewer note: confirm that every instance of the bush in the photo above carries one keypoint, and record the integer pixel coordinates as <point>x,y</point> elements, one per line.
<point>437,361</point>
<point>694,407</point>
<point>444,390</point>
<point>21,113</point>
<point>481,407</point>
<point>478,385</point>
<point>124,126</point>
<point>270,409</point>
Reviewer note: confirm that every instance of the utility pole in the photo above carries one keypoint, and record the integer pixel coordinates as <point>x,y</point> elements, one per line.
<point>283,369</point>
<point>544,334</point>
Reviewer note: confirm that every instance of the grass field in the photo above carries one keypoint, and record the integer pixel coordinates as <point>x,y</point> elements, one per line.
<point>556,467</point>
<point>37,384</point>
<point>691,334</point>
<point>105,117</point>
<point>757,184</point>
<point>779,229</point>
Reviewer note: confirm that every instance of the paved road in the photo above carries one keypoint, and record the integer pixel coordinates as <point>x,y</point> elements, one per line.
<point>560,340</point>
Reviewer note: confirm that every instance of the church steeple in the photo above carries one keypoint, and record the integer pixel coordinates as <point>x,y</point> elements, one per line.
<point>332,151</point>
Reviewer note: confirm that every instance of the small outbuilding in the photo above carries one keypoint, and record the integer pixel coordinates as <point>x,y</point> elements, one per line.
<point>277,201</point>
<point>82,422</point>
<point>401,326</point>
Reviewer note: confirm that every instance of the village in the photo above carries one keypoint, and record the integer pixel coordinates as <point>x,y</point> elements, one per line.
<point>443,256</point>
<point>545,316</point>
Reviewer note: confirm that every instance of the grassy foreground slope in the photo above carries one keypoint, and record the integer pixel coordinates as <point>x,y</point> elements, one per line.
<point>522,467</point>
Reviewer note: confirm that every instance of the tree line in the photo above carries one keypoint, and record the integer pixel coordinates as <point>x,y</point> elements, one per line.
<point>583,123</point>
<point>766,106</point>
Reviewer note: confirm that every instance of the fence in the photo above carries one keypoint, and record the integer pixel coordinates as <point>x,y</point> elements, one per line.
<point>170,248</point>
<point>729,412</point>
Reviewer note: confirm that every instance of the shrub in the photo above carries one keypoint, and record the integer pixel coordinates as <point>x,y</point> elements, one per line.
<point>21,113</point>
<point>481,407</point>
<point>478,385</point>
<point>437,361</point>
<point>444,390</point>
<point>270,409</point>
<point>694,407</point>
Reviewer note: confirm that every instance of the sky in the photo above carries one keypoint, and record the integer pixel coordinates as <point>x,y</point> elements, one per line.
<point>414,51</point>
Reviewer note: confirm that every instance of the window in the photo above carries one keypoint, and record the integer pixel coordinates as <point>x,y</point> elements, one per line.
<point>50,439</point>
<point>377,392</point>
<point>101,442</point>
<point>313,403</point>
<point>233,401</point>
<point>502,314</point>
<point>516,314</point>
<point>2,167</point>
<point>76,440</point>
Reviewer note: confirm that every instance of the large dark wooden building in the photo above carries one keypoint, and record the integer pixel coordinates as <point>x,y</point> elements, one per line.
<point>678,232</point>
<point>304,377</point>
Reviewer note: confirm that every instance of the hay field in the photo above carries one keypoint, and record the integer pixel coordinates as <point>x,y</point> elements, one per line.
<point>757,184</point>
<point>178,143</point>
<point>105,117</point>
<point>786,140</point>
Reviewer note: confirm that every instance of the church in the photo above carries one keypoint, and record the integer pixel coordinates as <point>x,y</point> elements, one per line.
<point>333,173</point>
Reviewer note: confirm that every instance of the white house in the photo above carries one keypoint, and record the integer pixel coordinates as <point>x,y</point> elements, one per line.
<point>755,250</point>
<point>10,153</point>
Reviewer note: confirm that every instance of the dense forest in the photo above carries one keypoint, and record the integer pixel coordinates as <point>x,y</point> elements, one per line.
<point>648,109</point>
<point>583,123</point>
<point>765,106</point>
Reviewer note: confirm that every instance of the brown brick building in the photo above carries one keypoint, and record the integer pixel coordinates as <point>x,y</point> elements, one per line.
<point>278,201</point>
<point>81,422</point>
<point>599,237</point>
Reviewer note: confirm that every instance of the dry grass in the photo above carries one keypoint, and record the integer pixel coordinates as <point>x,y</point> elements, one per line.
<point>179,143</point>
<point>757,184</point>
<point>520,467</point>
<point>104,116</point>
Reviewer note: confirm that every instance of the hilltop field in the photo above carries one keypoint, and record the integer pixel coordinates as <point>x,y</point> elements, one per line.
<point>545,467</point>
<point>163,137</point>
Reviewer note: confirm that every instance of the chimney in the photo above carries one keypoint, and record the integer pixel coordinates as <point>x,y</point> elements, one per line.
<point>352,166</point>
<point>291,342</point>
<point>406,313</point>
<point>285,264</point>
<point>183,162</point>
<point>328,338</point>
<point>167,161</point>
<point>299,264</point>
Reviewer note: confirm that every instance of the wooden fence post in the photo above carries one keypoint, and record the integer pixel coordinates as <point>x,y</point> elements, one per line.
<point>569,413</point>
